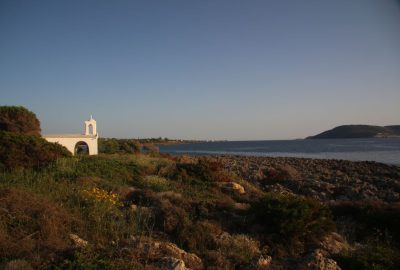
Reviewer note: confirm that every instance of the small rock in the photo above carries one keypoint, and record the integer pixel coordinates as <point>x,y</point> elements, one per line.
<point>241,206</point>
<point>263,262</point>
<point>318,261</point>
<point>233,187</point>
<point>334,243</point>
<point>78,242</point>
<point>190,259</point>
<point>156,250</point>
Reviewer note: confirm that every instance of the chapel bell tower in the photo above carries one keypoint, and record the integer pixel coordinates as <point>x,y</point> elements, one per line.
<point>90,127</point>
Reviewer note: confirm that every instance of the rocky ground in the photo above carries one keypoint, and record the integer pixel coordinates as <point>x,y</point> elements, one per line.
<point>325,180</point>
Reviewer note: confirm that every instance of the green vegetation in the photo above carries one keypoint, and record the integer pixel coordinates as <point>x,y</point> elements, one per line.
<point>29,151</point>
<point>113,146</point>
<point>358,131</point>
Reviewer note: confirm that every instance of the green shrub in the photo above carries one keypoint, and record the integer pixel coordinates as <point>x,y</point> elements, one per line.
<point>20,143</point>
<point>19,120</point>
<point>169,217</point>
<point>112,146</point>
<point>27,151</point>
<point>291,217</point>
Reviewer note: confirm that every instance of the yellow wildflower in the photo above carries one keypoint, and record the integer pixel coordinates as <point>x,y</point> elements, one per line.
<point>101,195</point>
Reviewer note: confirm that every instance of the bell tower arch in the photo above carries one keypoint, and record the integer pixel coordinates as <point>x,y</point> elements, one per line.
<point>90,127</point>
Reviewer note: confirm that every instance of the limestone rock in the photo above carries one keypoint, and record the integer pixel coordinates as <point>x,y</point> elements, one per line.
<point>190,259</point>
<point>77,241</point>
<point>318,261</point>
<point>155,250</point>
<point>263,262</point>
<point>241,206</point>
<point>334,243</point>
<point>233,187</point>
<point>133,207</point>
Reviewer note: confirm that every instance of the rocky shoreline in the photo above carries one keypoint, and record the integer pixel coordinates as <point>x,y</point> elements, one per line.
<point>326,180</point>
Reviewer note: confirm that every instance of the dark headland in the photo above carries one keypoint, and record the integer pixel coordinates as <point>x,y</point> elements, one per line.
<point>359,131</point>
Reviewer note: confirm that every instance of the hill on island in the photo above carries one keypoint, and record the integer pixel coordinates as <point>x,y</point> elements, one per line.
<point>359,131</point>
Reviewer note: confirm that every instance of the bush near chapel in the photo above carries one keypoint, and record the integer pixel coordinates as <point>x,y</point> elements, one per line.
<point>19,120</point>
<point>20,143</point>
<point>113,146</point>
<point>27,151</point>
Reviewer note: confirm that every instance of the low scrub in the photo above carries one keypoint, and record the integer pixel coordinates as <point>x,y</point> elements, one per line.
<point>199,237</point>
<point>220,249</point>
<point>240,249</point>
<point>291,217</point>
<point>156,183</point>
<point>32,227</point>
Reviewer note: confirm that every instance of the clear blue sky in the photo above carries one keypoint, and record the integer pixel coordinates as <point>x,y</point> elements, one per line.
<point>202,69</point>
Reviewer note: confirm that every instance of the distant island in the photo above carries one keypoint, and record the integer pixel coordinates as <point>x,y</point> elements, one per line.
<point>359,131</point>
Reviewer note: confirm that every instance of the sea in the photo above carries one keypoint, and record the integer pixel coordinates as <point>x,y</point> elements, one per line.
<point>384,150</point>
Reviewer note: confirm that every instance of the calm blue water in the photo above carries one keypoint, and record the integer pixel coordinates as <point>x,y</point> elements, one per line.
<point>380,150</point>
